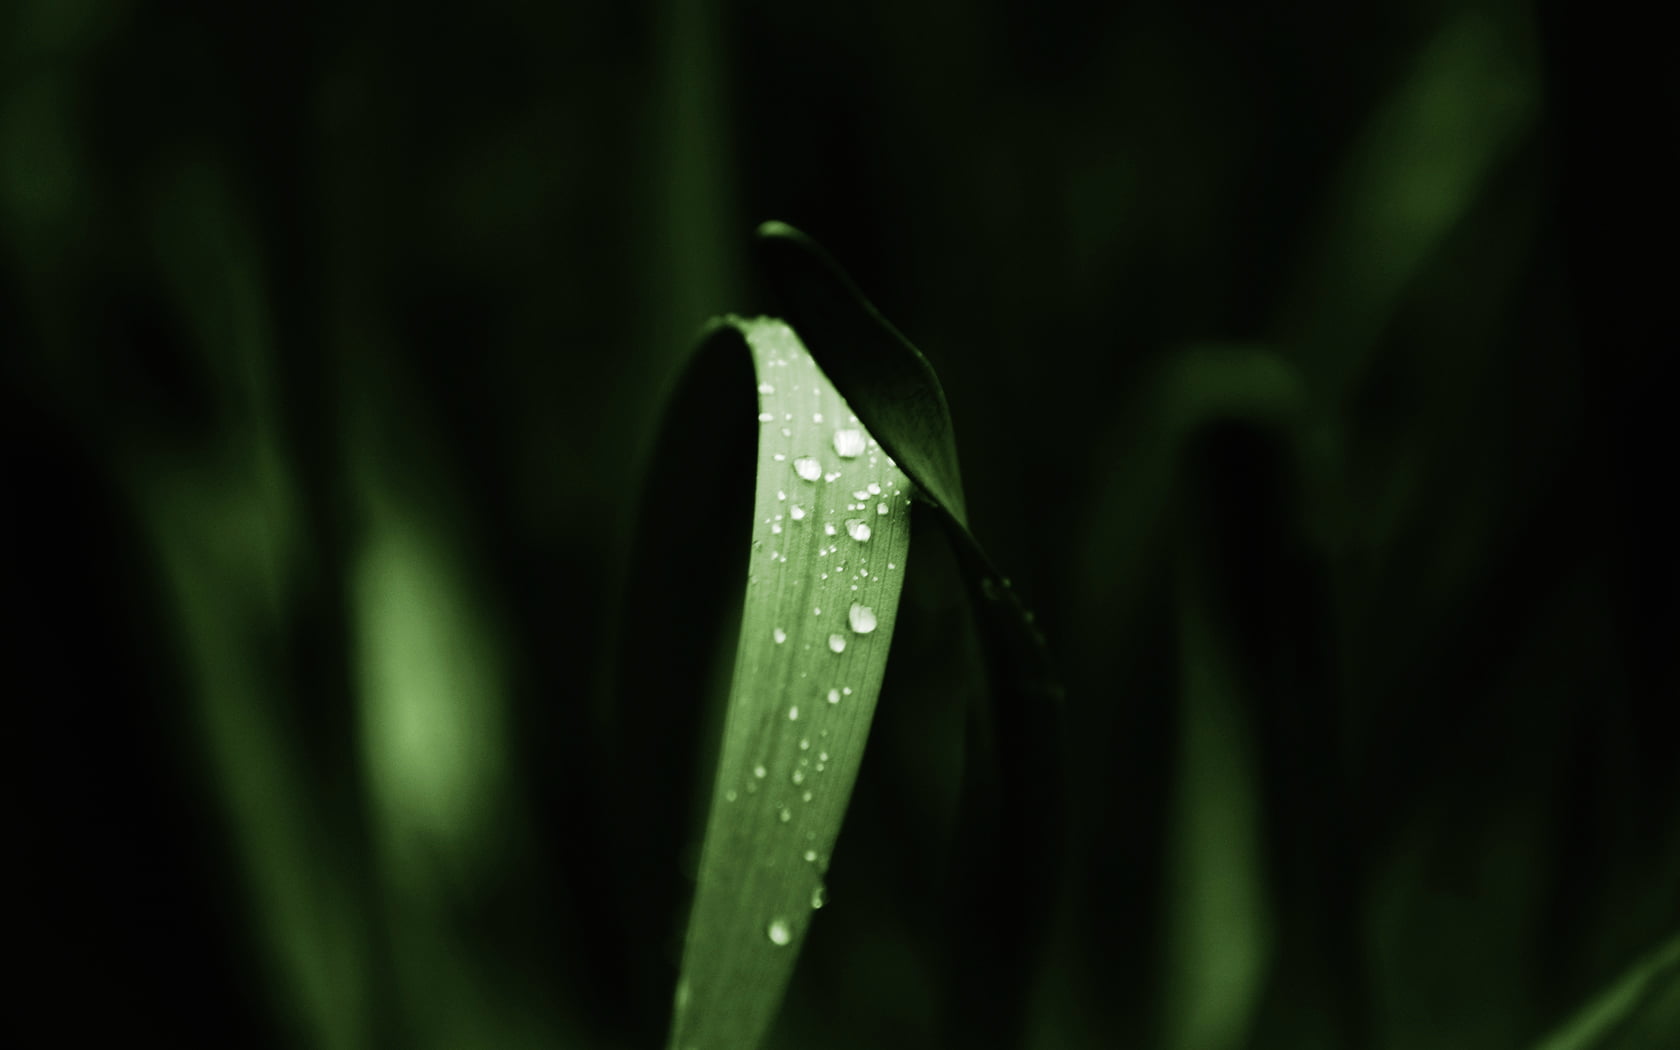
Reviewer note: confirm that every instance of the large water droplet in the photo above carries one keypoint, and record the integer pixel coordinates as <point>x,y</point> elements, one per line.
<point>848,444</point>
<point>862,619</point>
<point>807,468</point>
<point>857,529</point>
<point>837,642</point>
<point>779,933</point>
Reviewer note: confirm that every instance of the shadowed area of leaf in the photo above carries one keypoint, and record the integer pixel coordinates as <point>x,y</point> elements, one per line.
<point>1012,836</point>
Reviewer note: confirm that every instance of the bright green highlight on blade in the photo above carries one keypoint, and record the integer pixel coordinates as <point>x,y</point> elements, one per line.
<point>830,534</point>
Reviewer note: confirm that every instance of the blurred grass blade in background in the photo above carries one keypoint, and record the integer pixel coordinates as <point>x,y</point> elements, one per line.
<point>830,535</point>
<point>1640,1010</point>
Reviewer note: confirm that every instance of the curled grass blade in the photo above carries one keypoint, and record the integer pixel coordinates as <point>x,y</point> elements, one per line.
<point>830,535</point>
<point>1013,809</point>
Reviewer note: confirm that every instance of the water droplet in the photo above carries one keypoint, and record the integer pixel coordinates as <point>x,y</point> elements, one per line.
<point>779,933</point>
<point>857,529</point>
<point>834,696</point>
<point>806,796</point>
<point>787,814</point>
<point>810,856</point>
<point>845,690</point>
<point>832,476</point>
<point>817,897</point>
<point>862,619</point>
<point>874,488</point>
<point>882,509</point>
<point>829,529</point>
<point>804,745</point>
<point>816,417</point>
<point>730,795</point>
<point>776,529</point>
<point>765,417</point>
<point>778,457</point>
<point>797,513</point>
<point>837,642</point>
<point>807,468</point>
<point>780,635</point>
<point>862,494</point>
<point>760,772</point>
<point>793,714</point>
<point>822,757</point>
<point>848,444</point>
<point>799,776</point>
<point>766,388</point>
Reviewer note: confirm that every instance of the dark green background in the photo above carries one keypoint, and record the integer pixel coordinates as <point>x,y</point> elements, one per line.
<point>1341,328</point>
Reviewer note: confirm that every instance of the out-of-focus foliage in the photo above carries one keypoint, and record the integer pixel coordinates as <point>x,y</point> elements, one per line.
<point>1299,376</point>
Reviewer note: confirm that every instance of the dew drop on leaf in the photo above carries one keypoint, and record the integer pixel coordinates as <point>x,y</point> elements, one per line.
<point>793,714</point>
<point>780,635</point>
<point>881,509</point>
<point>807,468</point>
<point>759,772</point>
<point>857,529</point>
<point>817,897</point>
<point>834,696</point>
<point>837,642</point>
<point>778,932</point>
<point>862,619</point>
<point>848,444</point>
<point>797,513</point>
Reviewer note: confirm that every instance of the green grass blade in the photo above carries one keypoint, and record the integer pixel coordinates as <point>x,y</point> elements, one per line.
<point>1639,1010</point>
<point>1012,820</point>
<point>830,536</point>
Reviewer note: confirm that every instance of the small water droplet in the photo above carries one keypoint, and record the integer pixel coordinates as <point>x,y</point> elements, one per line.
<point>874,488</point>
<point>793,714</point>
<point>857,529</point>
<point>730,795</point>
<point>807,468</point>
<point>797,513</point>
<point>776,529</point>
<point>799,776</point>
<point>834,696</point>
<point>810,856</point>
<point>848,444</point>
<point>780,635</point>
<point>862,494</point>
<point>816,417</point>
<point>882,509</point>
<point>787,814</point>
<point>779,933</point>
<point>829,529</point>
<point>837,642</point>
<point>845,690</point>
<point>862,619</point>
<point>766,388</point>
<point>806,796</point>
<point>822,756</point>
<point>833,475</point>
<point>760,772</point>
<point>765,417</point>
<point>817,897</point>
<point>804,745</point>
